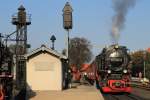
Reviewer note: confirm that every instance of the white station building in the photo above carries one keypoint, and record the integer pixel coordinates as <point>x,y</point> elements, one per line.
<point>44,69</point>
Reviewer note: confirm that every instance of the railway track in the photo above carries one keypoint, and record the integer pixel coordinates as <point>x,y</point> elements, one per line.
<point>146,87</point>
<point>122,96</point>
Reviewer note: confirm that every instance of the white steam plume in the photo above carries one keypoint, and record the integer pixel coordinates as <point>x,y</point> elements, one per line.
<point>121,8</point>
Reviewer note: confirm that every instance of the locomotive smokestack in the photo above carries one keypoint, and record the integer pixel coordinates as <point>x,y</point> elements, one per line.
<point>121,8</point>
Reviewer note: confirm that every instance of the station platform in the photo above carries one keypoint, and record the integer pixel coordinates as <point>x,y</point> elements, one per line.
<point>82,92</point>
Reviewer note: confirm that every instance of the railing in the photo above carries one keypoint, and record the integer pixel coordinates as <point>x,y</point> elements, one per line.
<point>15,18</point>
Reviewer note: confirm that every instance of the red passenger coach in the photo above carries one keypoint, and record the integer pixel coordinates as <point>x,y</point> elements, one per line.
<point>1,93</point>
<point>6,87</point>
<point>87,69</point>
<point>6,73</point>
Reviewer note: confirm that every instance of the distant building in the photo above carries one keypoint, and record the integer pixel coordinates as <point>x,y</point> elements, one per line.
<point>45,69</point>
<point>148,50</point>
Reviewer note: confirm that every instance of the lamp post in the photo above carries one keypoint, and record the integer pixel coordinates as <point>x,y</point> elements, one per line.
<point>53,38</point>
<point>1,46</point>
<point>1,39</point>
<point>144,57</point>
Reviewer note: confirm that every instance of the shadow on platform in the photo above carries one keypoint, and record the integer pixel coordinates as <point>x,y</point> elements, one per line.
<point>25,94</point>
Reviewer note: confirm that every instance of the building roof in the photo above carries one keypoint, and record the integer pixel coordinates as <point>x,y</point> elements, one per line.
<point>44,48</point>
<point>67,8</point>
<point>84,67</point>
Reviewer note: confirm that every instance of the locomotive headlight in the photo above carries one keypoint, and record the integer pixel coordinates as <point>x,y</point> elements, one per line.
<point>69,71</point>
<point>125,71</point>
<point>85,73</point>
<point>108,71</point>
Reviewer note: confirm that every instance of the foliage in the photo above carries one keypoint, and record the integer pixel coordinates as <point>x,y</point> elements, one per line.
<point>148,65</point>
<point>138,59</point>
<point>79,51</point>
<point>147,70</point>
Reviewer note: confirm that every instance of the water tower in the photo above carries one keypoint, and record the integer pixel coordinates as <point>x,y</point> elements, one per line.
<point>67,22</point>
<point>21,20</point>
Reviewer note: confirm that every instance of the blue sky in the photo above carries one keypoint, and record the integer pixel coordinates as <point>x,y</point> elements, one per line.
<point>91,19</point>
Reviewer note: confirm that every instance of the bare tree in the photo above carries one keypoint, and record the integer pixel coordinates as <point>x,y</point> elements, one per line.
<point>79,51</point>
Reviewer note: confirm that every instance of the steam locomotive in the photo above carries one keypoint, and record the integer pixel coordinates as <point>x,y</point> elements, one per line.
<point>6,76</point>
<point>113,69</point>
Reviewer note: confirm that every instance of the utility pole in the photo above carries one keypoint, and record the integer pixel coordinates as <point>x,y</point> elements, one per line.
<point>144,57</point>
<point>1,46</point>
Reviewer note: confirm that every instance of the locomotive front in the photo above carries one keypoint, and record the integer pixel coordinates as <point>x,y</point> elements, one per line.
<point>113,69</point>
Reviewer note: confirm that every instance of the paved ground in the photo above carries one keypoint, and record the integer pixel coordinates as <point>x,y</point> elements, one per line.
<point>142,93</point>
<point>79,93</point>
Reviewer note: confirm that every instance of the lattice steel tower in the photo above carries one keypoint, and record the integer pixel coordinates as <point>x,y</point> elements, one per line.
<point>21,20</point>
